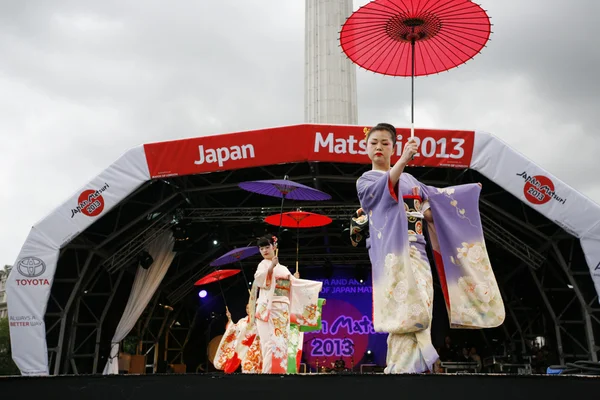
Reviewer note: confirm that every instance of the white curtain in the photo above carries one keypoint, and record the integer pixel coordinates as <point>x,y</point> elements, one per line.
<point>144,286</point>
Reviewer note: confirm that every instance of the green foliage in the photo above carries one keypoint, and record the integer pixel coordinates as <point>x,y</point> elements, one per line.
<point>130,344</point>
<point>7,366</point>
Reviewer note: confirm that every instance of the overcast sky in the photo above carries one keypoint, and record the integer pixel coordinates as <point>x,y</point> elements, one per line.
<point>82,81</point>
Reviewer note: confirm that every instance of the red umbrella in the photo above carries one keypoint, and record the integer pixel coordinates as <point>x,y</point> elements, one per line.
<point>218,276</point>
<point>415,37</point>
<point>298,219</point>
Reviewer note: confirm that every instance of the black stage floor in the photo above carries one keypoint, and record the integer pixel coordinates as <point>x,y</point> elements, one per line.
<point>310,387</point>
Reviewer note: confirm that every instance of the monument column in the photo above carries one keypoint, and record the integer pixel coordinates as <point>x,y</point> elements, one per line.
<point>329,76</point>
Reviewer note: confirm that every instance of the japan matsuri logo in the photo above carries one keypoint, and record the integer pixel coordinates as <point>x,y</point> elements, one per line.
<point>90,202</point>
<point>31,267</point>
<point>539,189</point>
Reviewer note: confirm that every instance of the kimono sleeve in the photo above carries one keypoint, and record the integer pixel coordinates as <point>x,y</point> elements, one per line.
<point>304,301</point>
<point>226,349</point>
<point>319,325</point>
<point>262,276</point>
<point>425,190</point>
<point>373,188</point>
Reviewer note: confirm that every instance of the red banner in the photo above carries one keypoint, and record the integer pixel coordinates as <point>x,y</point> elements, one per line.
<point>298,143</point>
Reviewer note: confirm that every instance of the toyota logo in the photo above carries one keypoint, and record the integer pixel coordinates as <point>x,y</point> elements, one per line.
<point>31,267</point>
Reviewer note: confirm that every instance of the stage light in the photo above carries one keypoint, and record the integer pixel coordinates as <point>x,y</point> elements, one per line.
<point>202,294</point>
<point>180,233</point>
<point>361,273</point>
<point>369,352</point>
<point>145,259</point>
<point>215,242</point>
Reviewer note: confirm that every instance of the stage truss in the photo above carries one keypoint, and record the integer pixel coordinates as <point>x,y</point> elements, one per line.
<point>545,281</point>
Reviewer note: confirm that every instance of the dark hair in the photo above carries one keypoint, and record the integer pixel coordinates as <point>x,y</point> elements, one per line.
<point>383,126</point>
<point>266,240</point>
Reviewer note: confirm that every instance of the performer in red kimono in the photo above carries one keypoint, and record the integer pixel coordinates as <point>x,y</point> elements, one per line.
<point>283,299</point>
<point>394,206</point>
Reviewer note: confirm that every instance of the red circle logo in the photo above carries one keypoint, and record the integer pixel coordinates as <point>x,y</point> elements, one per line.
<point>344,336</point>
<point>539,189</point>
<point>91,203</point>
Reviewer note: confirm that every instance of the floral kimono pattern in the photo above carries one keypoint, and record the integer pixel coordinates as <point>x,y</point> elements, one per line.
<point>283,300</point>
<point>472,294</point>
<point>295,343</point>
<point>402,283</point>
<point>226,350</point>
<point>296,339</point>
<point>240,346</point>
<point>252,361</point>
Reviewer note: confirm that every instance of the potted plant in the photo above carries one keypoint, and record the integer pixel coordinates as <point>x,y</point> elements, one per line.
<point>128,348</point>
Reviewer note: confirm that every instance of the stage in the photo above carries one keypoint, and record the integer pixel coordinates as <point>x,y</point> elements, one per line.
<point>318,386</point>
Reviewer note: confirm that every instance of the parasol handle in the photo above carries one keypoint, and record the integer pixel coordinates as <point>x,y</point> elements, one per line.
<point>412,86</point>
<point>412,90</point>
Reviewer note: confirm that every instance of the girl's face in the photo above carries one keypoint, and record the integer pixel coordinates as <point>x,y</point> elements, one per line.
<point>380,147</point>
<point>267,251</point>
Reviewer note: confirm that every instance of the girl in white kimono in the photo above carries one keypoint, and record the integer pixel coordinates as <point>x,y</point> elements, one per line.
<point>283,299</point>
<point>239,346</point>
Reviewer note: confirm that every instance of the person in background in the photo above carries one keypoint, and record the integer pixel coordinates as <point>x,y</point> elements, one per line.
<point>239,346</point>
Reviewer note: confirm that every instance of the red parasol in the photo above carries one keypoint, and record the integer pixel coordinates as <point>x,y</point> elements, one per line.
<point>415,37</point>
<point>218,276</point>
<point>298,219</point>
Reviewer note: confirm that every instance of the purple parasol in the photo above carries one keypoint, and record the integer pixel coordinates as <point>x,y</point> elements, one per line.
<point>284,188</point>
<point>235,255</point>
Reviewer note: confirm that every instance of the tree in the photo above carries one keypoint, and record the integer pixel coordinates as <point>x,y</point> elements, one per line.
<point>7,365</point>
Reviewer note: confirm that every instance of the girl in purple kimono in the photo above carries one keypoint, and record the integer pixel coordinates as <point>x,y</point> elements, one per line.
<point>396,206</point>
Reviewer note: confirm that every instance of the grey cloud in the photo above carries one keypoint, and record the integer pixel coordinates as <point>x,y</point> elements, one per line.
<point>82,81</point>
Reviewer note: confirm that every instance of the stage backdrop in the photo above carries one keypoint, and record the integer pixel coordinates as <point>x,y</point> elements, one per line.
<point>347,331</point>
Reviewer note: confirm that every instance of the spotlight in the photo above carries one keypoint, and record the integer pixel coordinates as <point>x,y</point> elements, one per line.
<point>180,233</point>
<point>361,273</point>
<point>202,294</point>
<point>145,259</point>
<point>215,242</point>
<point>368,357</point>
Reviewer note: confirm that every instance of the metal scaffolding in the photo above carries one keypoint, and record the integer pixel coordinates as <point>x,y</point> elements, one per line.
<point>527,250</point>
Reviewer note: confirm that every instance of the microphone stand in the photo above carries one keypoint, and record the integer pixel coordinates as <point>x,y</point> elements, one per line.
<point>213,317</point>
<point>352,355</point>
